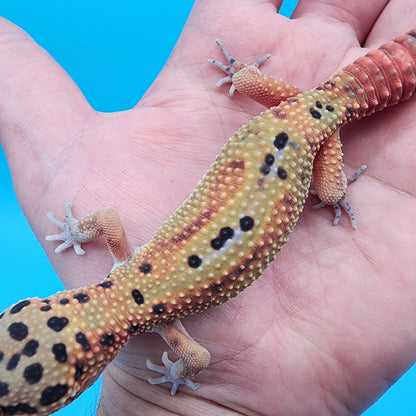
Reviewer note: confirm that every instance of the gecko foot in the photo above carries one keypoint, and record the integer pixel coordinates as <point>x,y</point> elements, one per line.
<point>233,66</point>
<point>172,373</point>
<point>69,235</point>
<point>338,212</point>
<point>343,203</point>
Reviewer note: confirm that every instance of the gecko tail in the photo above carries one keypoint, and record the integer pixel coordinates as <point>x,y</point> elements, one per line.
<point>386,75</point>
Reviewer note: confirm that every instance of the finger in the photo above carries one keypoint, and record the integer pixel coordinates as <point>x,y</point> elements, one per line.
<point>397,17</point>
<point>356,15</point>
<point>40,105</point>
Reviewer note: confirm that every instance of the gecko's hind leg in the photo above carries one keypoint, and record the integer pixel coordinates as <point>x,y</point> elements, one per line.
<point>193,358</point>
<point>330,181</point>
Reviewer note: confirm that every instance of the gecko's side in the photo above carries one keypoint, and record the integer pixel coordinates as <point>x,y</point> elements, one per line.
<point>213,246</point>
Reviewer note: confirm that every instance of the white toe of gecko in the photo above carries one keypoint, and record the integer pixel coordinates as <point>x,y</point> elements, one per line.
<point>171,374</point>
<point>69,235</point>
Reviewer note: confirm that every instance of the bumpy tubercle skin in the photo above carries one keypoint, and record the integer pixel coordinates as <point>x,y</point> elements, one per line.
<point>213,246</point>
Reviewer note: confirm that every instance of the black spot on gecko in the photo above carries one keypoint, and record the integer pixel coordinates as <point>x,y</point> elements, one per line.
<point>53,393</point>
<point>107,340</point>
<point>19,306</point>
<point>105,285</point>
<point>57,324</point>
<point>303,176</point>
<point>33,373</point>
<point>217,287</point>
<point>134,328</point>
<point>194,261</point>
<point>83,341</point>
<point>64,301</point>
<point>137,296</point>
<point>46,308</point>
<point>217,243</point>
<point>315,114</point>
<point>31,348</point>
<point>78,370</point>
<point>1,315</point>
<point>46,301</point>
<point>59,351</point>
<point>19,409</point>
<point>159,309</point>
<point>330,108</point>
<point>1,356</point>
<point>349,112</point>
<point>318,104</point>
<point>4,389</point>
<point>269,159</point>
<point>145,268</point>
<point>18,331</point>
<point>226,233</point>
<point>81,297</point>
<point>246,223</point>
<point>280,140</point>
<point>281,173</point>
<point>13,362</point>
<point>264,169</point>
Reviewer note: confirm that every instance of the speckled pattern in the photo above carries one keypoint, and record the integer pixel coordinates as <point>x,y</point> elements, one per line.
<point>213,246</point>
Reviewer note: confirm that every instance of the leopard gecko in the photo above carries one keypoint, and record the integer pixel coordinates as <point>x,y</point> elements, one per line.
<point>213,246</point>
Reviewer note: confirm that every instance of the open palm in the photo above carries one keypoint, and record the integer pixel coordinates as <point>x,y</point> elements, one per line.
<point>331,324</point>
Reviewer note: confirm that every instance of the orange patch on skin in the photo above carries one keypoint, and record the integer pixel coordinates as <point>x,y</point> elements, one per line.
<point>237,164</point>
<point>191,229</point>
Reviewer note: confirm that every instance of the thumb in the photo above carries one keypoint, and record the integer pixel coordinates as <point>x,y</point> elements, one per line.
<point>40,105</point>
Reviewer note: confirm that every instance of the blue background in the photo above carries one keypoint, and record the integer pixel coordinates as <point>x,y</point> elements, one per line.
<point>101,46</point>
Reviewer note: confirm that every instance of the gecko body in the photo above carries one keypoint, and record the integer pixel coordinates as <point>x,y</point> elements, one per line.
<point>212,247</point>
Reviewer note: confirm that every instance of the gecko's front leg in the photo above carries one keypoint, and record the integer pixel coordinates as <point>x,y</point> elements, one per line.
<point>105,222</point>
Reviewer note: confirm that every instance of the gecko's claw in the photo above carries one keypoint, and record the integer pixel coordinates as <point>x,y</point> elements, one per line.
<point>69,234</point>
<point>171,374</point>
<point>233,66</point>
<point>225,80</point>
<point>338,212</point>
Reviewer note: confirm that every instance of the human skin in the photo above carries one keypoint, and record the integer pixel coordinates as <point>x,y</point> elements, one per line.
<point>331,324</point>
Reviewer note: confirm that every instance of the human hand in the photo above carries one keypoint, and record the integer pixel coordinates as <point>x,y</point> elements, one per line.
<point>331,322</point>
